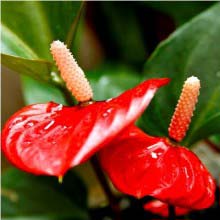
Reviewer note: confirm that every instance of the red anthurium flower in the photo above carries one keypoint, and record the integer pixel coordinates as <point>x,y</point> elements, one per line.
<point>140,165</point>
<point>50,138</point>
<point>160,208</point>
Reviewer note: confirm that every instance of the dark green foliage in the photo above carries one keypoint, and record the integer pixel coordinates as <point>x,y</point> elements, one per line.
<point>25,196</point>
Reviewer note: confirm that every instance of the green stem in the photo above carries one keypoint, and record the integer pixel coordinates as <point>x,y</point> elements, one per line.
<point>105,185</point>
<point>68,97</point>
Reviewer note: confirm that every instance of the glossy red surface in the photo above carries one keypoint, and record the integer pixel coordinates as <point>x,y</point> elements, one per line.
<point>50,138</point>
<point>141,165</point>
<point>161,208</point>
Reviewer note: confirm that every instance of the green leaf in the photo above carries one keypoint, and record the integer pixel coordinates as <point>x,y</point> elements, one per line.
<point>39,92</point>
<point>28,39</point>
<point>194,49</point>
<point>37,24</point>
<point>30,218</point>
<point>13,45</point>
<point>25,196</point>
<point>110,80</point>
<point>38,69</point>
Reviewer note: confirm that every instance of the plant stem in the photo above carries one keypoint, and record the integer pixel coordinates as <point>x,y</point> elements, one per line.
<point>105,185</point>
<point>212,145</point>
<point>68,97</point>
<point>172,214</point>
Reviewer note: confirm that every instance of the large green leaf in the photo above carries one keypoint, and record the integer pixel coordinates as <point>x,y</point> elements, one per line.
<point>194,49</point>
<point>25,196</point>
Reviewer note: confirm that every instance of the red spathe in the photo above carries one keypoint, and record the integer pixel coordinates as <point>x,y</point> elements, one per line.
<point>50,138</point>
<point>141,165</point>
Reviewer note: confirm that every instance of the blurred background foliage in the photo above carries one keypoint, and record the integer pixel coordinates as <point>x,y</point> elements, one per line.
<point>118,44</point>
